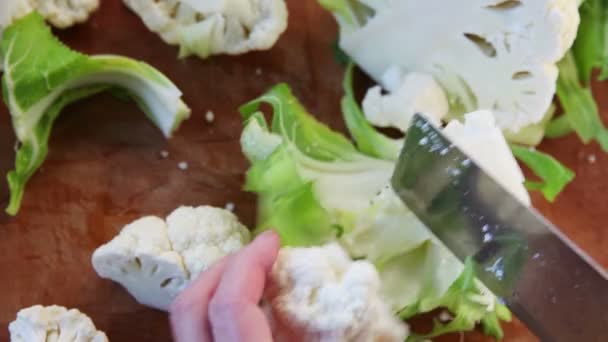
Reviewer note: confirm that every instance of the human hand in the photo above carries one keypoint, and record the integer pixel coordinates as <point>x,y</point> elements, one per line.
<point>223,303</point>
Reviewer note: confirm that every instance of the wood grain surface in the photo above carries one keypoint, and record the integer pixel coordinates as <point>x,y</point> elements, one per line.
<point>104,168</point>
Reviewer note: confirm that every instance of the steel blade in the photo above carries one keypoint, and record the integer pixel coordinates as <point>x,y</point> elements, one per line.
<point>544,278</point>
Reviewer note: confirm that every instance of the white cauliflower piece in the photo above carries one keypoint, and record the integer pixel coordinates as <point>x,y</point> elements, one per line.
<point>53,324</point>
<point>60,13</point>
<point>155,260</point>
<point>481,139</point>
<point>210,27</point>
<point>498,55</point>
<point>204,235</point>
<point>320,294</point>
<point>65,13</point>
<point>140,258</point>
<point>415,93</point>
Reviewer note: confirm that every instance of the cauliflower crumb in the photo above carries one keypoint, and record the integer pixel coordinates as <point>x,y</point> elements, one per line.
<point>164,154</point>
<point>230,206</point>
<point>209,116</point>
<point>183,166</point>
<point>591,158</point>
<point>445,316</point>
<point>258,71</point>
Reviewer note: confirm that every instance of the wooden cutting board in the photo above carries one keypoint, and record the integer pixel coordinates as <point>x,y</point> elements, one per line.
<point>104,168</point>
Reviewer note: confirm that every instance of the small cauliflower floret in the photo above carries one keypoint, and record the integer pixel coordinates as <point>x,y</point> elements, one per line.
<point>414,93</point>
<point>481,139</point>
<point>320,294</point>
<point>53,323</point>
<point>204,235</point>
<point>140,258</point>
<point>205,28</point>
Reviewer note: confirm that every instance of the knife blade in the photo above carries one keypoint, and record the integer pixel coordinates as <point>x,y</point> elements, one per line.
<point>547,281</point>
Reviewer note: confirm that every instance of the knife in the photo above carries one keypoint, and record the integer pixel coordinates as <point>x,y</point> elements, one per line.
<point>548,282</point>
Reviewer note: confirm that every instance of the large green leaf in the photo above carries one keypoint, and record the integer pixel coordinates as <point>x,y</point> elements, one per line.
<point>42,76</point>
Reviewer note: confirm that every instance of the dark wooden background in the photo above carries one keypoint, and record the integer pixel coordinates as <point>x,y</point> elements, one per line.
<point>104,167</point>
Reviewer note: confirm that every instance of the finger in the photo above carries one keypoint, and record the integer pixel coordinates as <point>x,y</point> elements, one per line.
<point>188,312</point>
<point>234,313</point>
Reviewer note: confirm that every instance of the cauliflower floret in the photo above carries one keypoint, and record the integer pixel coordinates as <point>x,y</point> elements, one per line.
<point>54,323</point>
<point>414,93</point>
<point>320,294</point>
<point>140,258</point>
<point>155,260</point>
<point>212,27</point>
<point>481,139</point>
<point>204,235</point>
<point>62,13</point>
<point>498,55</point>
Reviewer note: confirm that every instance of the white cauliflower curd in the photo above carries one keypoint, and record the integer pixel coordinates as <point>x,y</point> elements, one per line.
<point>497,55</point>
<point>481,139</point>
<point>155,260</point>
<point>53,324</point>
<point>320,294</point>
<point>210,27</point>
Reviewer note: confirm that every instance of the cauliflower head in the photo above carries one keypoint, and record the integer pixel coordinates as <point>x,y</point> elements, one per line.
<point>155,260</point>
<point>320,294</point>
<point>413,93</point>
<point>53,324</point>
<point>140,258</point>
<point>211,27</point>
<point>481,139</point>
<point>498,55</point>
<point>204,235</point>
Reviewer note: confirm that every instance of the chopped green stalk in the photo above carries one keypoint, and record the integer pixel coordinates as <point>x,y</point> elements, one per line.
<point>42,76</point>
<point>285,161</point>
<point>591,46</point>
<point>339,55</point>
<point>369,141</point>
<point>33,150</point>
<point>558,127</point>
<point>578,104</point>
<point>555,176</point>
<point>462,298</point>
